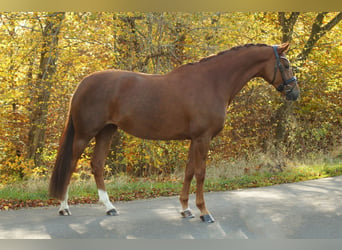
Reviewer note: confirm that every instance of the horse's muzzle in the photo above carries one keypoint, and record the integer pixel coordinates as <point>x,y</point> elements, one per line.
<point>292,95</point>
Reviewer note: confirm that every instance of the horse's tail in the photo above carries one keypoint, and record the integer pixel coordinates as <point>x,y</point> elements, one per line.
<point>62,171</point>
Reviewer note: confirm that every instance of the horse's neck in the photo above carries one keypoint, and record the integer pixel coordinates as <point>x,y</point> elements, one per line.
<point>235,71</point>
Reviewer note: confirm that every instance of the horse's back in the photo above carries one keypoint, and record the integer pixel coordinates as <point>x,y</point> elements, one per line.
<point>170,106</point>
<point>105,85</point>
<point>140,104</point>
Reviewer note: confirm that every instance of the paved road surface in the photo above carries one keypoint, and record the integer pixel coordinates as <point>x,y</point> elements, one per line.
<point>311,209</point>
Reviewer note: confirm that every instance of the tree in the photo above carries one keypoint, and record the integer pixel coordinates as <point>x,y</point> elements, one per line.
<point>287,25</point>
<point>50,28</point>
<point>46,55</point>
<point>284,114</point>
<point>318,30</point>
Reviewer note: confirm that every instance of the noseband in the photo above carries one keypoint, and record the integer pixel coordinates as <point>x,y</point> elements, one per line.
<point>281,69</point>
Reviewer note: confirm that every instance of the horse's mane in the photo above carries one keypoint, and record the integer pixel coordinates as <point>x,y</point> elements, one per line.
<point>205,59</point>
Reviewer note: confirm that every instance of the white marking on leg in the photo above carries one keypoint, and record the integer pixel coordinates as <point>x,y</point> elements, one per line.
<point>104,198</point>
<point>186,213</point>
<point>64,204</point>
<point>188,209</point>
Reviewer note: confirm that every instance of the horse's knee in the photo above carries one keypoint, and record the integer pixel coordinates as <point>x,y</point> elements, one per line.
<point>200,176</point>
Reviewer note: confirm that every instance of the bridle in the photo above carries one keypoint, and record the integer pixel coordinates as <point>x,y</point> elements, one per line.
<point>285,82</point>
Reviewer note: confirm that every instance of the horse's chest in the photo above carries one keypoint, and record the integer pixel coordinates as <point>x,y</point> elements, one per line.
<point>209,121</point>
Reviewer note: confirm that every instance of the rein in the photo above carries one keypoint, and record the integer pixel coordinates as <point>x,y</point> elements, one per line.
<point>281,69</point>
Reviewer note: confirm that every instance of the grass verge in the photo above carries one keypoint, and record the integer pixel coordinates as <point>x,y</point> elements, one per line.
<point>34,193</point>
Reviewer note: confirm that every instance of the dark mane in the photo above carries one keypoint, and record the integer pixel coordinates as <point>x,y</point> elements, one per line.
<point>205,59</point>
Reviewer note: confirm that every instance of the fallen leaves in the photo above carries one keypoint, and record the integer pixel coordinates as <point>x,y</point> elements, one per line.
<point>9,204</point>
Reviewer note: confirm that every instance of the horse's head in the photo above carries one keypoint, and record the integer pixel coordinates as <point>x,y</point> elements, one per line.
<point>278,72</point>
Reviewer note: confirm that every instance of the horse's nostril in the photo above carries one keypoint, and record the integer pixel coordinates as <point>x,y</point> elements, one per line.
<point>292,96</point>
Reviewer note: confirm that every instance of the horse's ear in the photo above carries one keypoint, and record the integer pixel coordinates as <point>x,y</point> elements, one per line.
<point>283,48</point>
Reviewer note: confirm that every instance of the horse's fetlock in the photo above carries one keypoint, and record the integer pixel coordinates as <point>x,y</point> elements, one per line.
<point>200,205</point>
<point>183,199</point>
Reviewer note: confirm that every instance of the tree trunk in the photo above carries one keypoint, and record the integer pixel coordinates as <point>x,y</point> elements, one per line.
<point>287,25</point>
<point>43,84</point>
<point>283,113</point>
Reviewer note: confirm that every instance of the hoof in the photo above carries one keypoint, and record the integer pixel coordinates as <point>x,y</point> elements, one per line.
<point>112,212</point>
<point>187,214</point>
<point>207,218</point>
<point>64,212</point>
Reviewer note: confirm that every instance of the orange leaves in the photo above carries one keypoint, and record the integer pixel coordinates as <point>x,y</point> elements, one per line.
<point>145,158</point>
<point>156,43</point>
<point>18,204</point>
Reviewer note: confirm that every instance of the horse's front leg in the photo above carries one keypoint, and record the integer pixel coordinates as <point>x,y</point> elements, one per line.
<point>201,148</point>
<point>189,174</point>
<point>196,166</point>
<point>200,203</point>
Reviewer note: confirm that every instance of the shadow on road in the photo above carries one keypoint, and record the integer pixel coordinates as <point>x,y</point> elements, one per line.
<point>309,209</point>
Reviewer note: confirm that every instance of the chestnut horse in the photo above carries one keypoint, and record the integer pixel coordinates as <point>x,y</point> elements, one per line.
<point>188,103</point>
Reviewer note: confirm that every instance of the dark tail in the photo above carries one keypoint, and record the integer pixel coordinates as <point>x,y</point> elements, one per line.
<point>62,171</point>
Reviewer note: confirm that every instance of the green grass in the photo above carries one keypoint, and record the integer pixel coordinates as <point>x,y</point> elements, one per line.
<point>297,174</point>
<point>34,193</point>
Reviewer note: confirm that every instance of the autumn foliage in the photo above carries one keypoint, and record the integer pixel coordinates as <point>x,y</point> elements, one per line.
<point>45,55</point>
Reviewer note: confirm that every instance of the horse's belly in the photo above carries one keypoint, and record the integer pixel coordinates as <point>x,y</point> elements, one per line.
<point>154,130</point>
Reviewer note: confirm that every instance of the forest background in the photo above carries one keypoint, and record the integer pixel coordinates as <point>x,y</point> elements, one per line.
<point>45,55</point>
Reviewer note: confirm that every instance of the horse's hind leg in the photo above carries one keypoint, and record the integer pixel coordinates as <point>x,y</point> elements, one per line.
<point>103,141</point>
<point>64,209</point>
<point>79,145</point>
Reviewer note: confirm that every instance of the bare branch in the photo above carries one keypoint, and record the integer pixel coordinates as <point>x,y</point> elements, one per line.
<point>317,32</point>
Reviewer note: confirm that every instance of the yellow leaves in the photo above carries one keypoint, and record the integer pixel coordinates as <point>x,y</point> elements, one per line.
<point>94,41</point>
<point>145,157</point>
<point>39,172</point>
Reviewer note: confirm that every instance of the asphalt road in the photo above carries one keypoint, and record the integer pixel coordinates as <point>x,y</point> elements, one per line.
<point>311,209</point>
